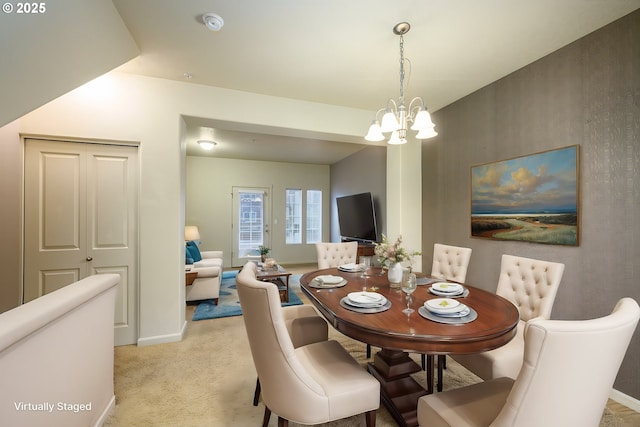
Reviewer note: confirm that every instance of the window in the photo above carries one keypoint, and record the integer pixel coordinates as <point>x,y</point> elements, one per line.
<point>293,227</point>
<point>314,216</point>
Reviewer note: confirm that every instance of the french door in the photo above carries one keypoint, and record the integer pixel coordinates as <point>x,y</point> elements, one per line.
<point>80,219</point>
<point>251,219</point>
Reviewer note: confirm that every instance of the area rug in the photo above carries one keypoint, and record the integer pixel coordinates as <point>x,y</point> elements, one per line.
<point>228,302</point>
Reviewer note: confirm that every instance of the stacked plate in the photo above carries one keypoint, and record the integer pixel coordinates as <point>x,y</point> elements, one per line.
<point>350,268</point>
<point>447,307</point>
<point>446,289</point>
<point>365,300</point>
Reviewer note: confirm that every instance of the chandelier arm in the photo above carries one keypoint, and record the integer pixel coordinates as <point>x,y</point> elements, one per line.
<point>378,114</point>
<point>414,109</point>
<point>419,100</point>
<point>391,105</point>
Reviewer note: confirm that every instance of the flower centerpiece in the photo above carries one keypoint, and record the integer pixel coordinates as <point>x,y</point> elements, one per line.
<point>391,255</point>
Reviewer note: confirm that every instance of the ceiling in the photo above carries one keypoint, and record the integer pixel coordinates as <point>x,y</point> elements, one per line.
<point>344,53</point>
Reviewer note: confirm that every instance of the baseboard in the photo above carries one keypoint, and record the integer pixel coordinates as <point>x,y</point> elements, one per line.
<point>162,339</point>
<point>625,400</point>
<point>107,410</point>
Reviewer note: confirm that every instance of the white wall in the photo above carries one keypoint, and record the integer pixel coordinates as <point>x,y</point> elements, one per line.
<point>210,182</point>
<point>124,107</point>
<point>48,54</point>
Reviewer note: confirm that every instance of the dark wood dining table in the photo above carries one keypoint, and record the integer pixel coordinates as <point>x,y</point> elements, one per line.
<point>397,333</point>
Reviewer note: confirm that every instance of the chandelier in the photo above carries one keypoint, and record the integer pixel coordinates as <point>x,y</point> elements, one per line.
<point>397,116</point>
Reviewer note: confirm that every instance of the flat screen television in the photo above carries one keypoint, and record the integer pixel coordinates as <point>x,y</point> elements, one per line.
<point>357,218</point>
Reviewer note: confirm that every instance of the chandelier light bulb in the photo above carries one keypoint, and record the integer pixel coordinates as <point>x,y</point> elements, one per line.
<point>375,133</point>
<point>389,122</point>
<point>422,120</point>
<point>396,139</point>
<point>426,133</point>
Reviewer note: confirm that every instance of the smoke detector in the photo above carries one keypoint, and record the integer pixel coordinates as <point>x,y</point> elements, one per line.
<point>212,21</point>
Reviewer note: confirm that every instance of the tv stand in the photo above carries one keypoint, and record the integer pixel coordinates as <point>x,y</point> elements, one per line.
<point>364,249</point>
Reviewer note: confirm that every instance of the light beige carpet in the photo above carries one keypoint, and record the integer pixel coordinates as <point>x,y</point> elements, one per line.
<point>208,379</point>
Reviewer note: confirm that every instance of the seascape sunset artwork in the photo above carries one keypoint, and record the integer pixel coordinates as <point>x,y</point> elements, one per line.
<point>532,198</point>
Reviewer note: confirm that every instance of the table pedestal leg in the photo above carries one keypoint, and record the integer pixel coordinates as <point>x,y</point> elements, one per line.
<point>399,392</point>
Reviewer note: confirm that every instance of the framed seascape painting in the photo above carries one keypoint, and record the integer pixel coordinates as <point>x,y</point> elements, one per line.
<point>533,198</point>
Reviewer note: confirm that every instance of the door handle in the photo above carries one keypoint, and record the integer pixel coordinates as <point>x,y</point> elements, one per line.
<point>89,258</point>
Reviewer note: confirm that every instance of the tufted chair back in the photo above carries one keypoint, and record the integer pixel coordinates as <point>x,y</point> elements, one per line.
<point>530,284</point>
<point>450,262</point>
<point>336,254</point>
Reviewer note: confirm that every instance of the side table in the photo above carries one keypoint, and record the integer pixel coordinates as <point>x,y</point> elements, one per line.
<point>277,275</point>
<point>190,277</point>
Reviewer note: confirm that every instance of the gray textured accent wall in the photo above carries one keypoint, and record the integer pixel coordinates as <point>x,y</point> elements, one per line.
<point>364,171</point>
<point>587,93</point>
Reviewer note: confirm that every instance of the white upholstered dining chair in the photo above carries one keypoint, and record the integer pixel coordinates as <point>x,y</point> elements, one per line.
<point>311,384</point>
<point>568,370</point>
<point>305,326</point>
<point>531,285</point>
<point>449,263</point>
<point>336,254</point>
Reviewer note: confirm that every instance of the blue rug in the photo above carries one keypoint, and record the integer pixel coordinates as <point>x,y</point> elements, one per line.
<point>228,302</point>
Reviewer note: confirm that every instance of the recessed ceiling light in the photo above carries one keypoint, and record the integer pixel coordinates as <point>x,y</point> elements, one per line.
<point>212,21</point>
<point>206,144</point>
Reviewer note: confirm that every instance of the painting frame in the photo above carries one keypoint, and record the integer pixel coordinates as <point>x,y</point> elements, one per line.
<point>533,198</point>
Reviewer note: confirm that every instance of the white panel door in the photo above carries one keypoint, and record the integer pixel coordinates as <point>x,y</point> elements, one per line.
<point>81,208</point>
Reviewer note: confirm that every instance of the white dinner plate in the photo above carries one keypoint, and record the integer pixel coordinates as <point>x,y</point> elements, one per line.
<point>352,267</point>
<point>365,297</point>
<point>329,279</point>
<point>446,287</point>
<point>368,304</point>
<point>462,293</point>
<point>442,303</point>
<point>463,312</point>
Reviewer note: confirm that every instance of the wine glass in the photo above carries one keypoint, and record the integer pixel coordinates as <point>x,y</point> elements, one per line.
<point>365,265</point>
<point>408,286</point>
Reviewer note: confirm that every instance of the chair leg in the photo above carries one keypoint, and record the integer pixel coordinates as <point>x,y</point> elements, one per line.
<point>368,351</point>
<point>256,394</point>
<point>424,362</point>
<point>282,422</point>
<point>370,417</point>
<point>267,417</point>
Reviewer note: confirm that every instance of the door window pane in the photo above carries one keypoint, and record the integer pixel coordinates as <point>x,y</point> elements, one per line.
<point>250,222</point>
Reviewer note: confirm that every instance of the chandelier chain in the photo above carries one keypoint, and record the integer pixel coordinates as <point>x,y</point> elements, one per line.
<point>401,69</point>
